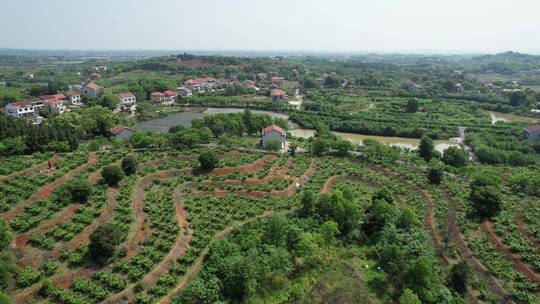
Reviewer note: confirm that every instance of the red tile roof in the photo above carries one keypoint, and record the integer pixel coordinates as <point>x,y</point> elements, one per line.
<point>21,104</point>
<point>92,85</point>
<point>72,93</point>
<point>533,128</point>
<point>117,129</point>
<point>157,93</point>
<point>278,92</point>
<point>125,95</point>
<point>169,92</point>
<point>271,128</point>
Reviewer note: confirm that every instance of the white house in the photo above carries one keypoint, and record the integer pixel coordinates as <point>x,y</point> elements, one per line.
<point>532,132</point>
<point>127,99</point>
<point>167,98</point>
<point>273,133</point>
<point>91,90</point>
<point>74,98</point>
<point>20,109</point>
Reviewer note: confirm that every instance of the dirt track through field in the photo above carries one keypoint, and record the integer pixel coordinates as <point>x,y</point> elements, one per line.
<point>524,230</point>
<point>47,190</point>
<point>518,265</point>
<point>466,254</point>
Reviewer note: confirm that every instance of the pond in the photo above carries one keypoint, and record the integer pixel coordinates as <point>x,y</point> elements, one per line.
<point>184,118</point>
<point>499,116</point>
<point>402,142</point>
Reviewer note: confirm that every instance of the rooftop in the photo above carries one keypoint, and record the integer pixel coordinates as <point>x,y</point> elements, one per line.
<point>276,128</point>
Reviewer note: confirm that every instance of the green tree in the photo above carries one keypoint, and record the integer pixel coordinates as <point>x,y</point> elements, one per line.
<point>308,203</point>
<point>112,174</point>
<point>426,149</point>
<point>103,242</point>
<point>342,147</point>
<point>486,200</point>
<point>409,297</point>
<point>319,147</point>
<point>208,159</point>
<point>329,230</point>
<point>421,279</point>
<point>435,175</point>
<point>518,98</point>
<point>455,156</point>
<point>202,289</point>
<point>459,276</point>
<point>129,165</point>
<point>4,299</point>
<point>292,148</point>
<point>5,235</point>
<point>412,105</point>
<point>108,101</point>
<point>80,190</point>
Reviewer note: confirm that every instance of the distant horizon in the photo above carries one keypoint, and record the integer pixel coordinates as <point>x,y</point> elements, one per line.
<point>276,51</point>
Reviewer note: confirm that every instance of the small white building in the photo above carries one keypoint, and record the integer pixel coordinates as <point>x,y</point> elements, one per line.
<point>166,98</point>
<point>273,133</point>
<point>532,132</point>
<point>127,99</point>
<point>74,98</point>
<point>20,109</point>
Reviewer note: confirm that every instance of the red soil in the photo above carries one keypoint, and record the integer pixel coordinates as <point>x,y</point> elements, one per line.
<point>524,231</point>
<point>247,168</point>
<point>518,265</point>
<point>47,190</point>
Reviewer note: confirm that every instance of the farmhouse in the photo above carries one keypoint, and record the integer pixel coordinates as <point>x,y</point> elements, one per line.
<point>201,84</point>
<point>122,132</point>
<point>126,100</point>
<point>52,103</point>
<point>167,98</point>
<point>74,98</point>
<point>91,90</point>
<point>184,92</point>
<point>532,132</point>
<point>273,133</point>
<point>278,94</point>
<point>20,109</point>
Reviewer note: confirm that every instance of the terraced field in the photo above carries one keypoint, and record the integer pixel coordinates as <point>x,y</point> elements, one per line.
<point>170,211</point>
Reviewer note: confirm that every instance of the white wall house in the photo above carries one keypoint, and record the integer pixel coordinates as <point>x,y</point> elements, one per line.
<point>273,133</point>
<point>20,109</point>
<point>126,99</point>
<point>74,98</point>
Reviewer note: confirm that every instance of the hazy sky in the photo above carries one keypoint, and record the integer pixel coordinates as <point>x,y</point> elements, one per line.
<point>321,25</point>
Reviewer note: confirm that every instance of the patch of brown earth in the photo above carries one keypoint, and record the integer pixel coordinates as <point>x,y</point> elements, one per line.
<point>524,230</point>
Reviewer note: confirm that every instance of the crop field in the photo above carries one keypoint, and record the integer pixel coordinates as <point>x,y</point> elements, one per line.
<point>170,213</point>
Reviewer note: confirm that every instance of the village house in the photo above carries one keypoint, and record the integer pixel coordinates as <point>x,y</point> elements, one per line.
<point>74,98</point>
<point>278,94</point>
<point>262,76</point>
<point>201,84</point>
<point>166,98</point>
<point>413,86</point>
<point>94,76</point>
<point>20,109</point>
<point>126,100</point>
<point>52,103</point>
<point>91,90</point>
<point>122,132</point>
<point>458,88</point>
<point>277,80</point>
<point>184,92</point>
<point>532,133</point>
<point>273,133</point>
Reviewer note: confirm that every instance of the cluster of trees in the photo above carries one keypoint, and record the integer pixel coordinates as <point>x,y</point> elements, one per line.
<point>325,141</point>
<point>59,134</point>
